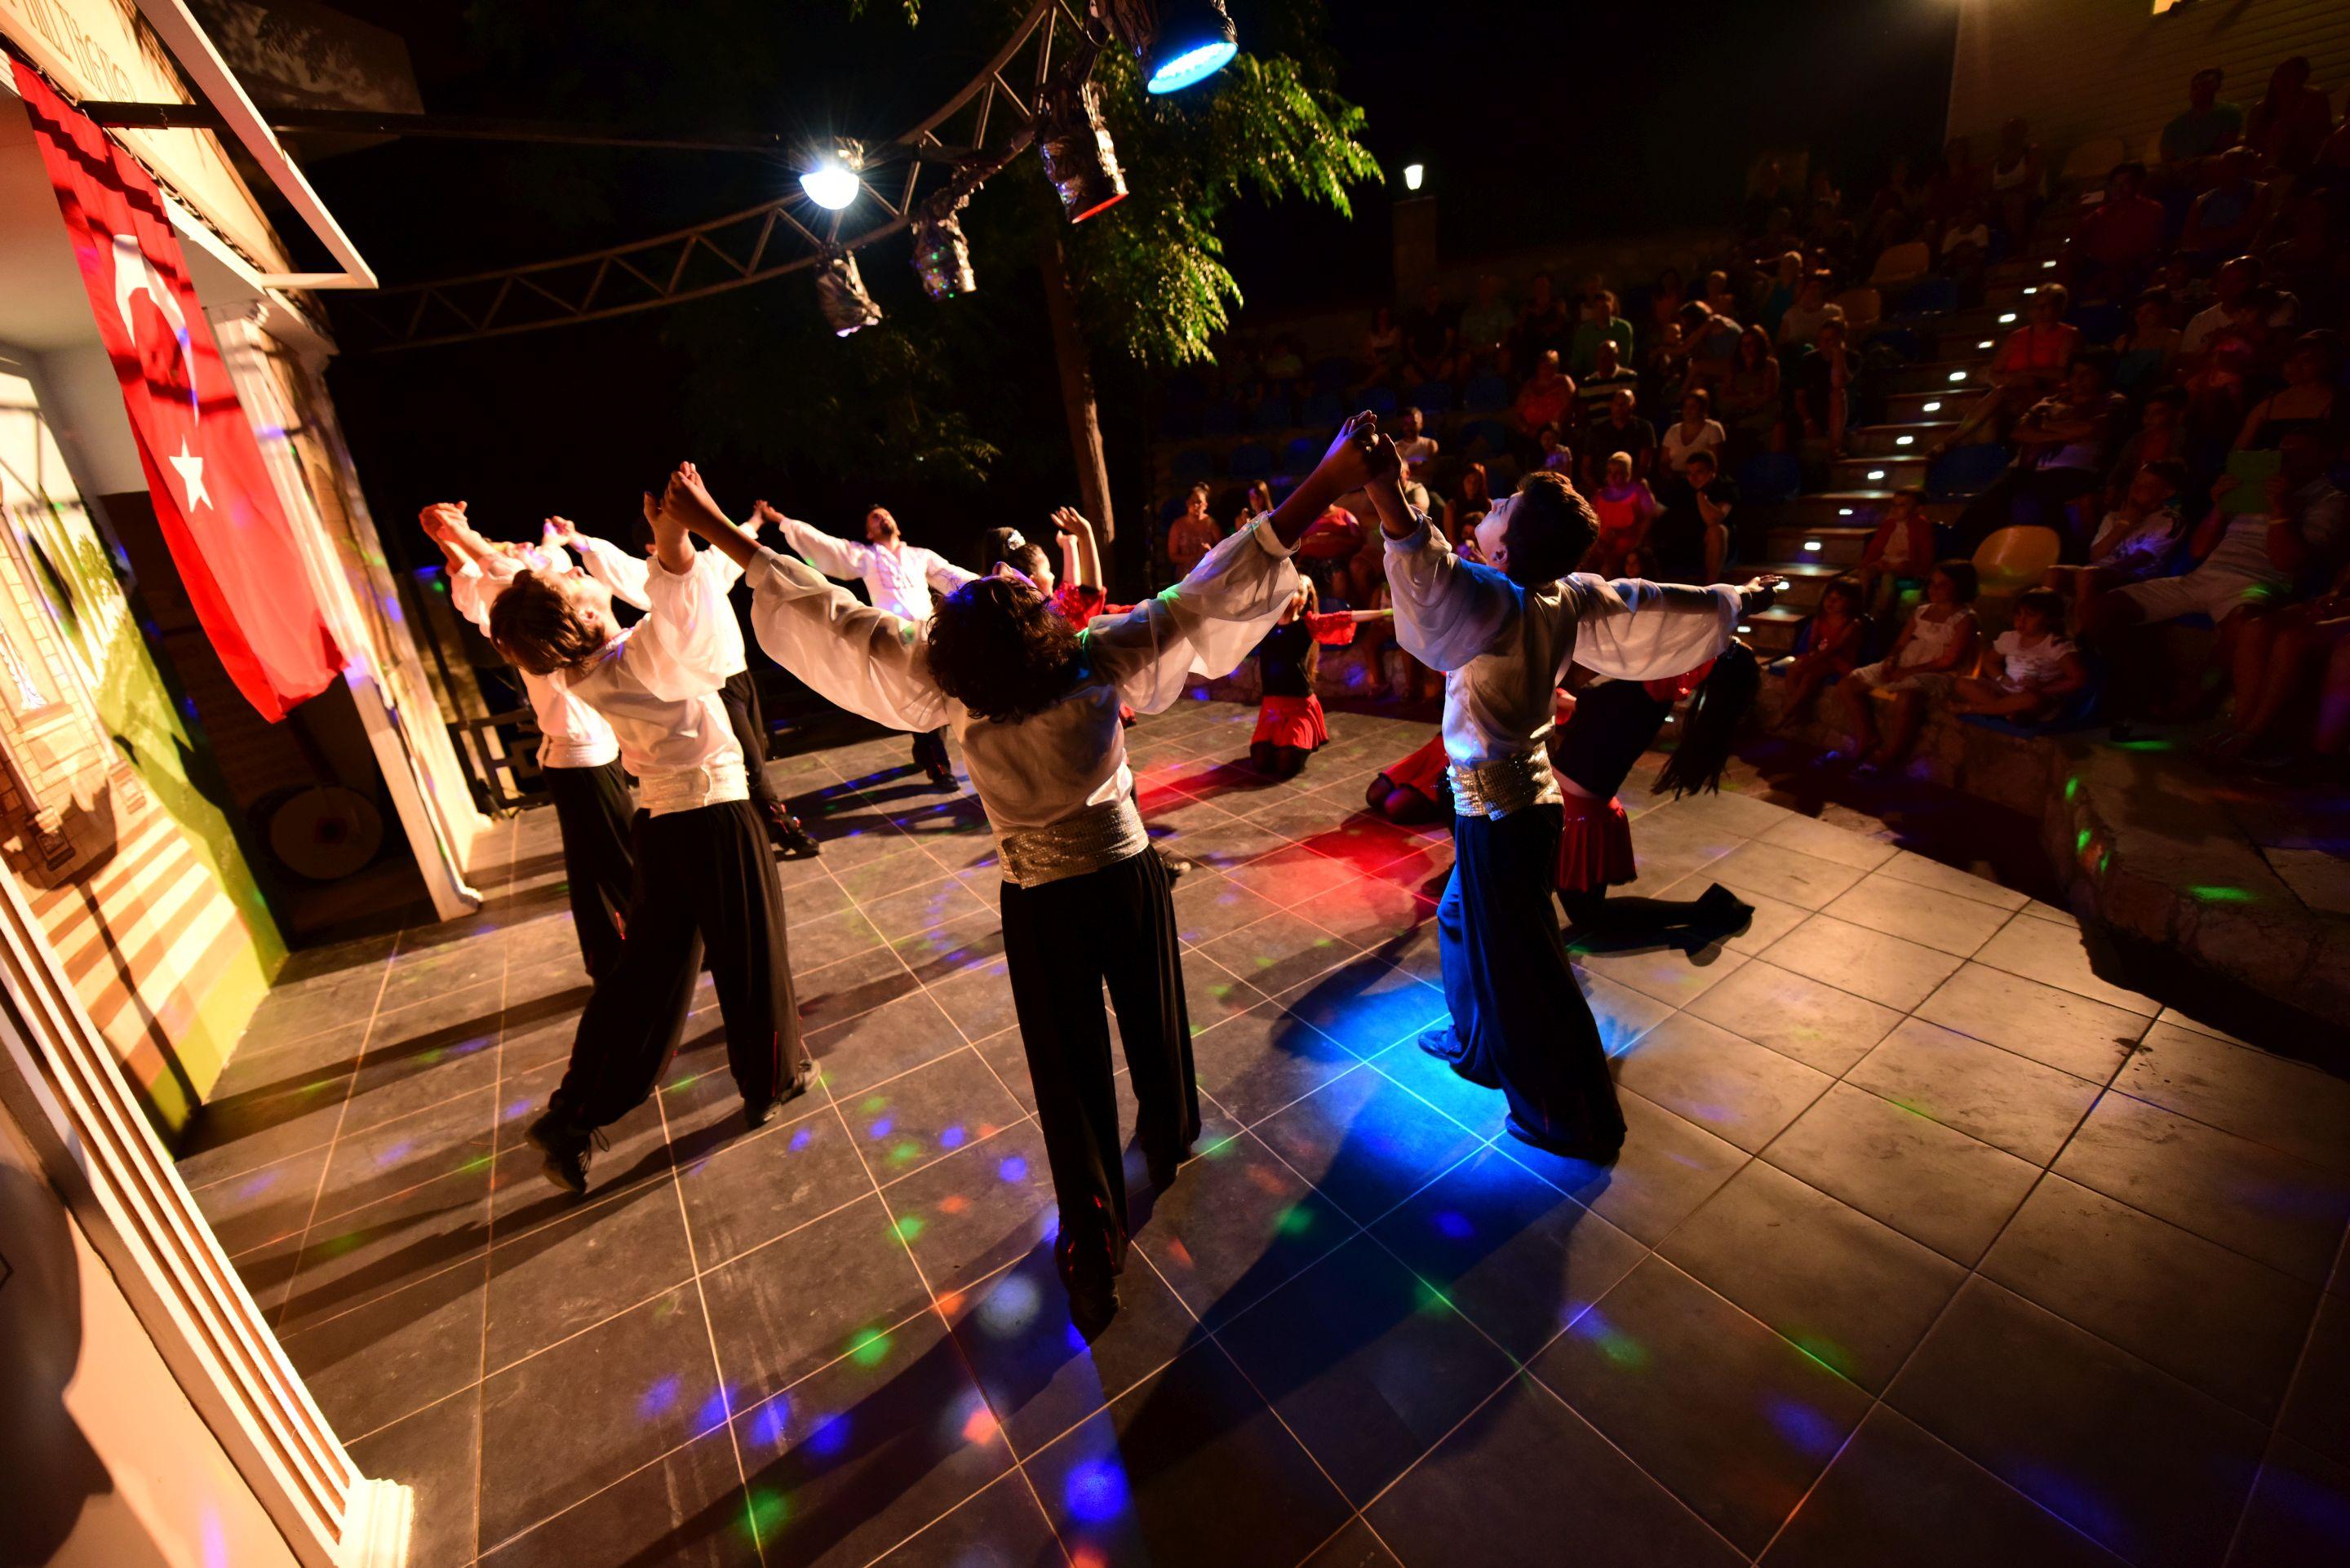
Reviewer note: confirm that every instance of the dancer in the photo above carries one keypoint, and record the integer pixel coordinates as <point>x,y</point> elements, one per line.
<point>1504,634</point>
<point>898,579</point>
<point>1595,749</point>
<point>1290,725</point>
<point>1415,790</point>
<point>625,575</point>
<point>579,757</point>
<point>704,872</point>
<point>1036,705</point>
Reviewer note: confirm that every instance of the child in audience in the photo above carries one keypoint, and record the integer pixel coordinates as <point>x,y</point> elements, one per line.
<point>2136,541</point>
<point>1901,548</point>
<point>1934,647</point>
<point>2032,667</point>
<point>1625,505</point>
<point>1289,722</point>
<point>1828,647</point>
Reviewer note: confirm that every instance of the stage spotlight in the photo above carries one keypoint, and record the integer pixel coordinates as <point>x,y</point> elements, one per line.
<point>840,294</point>
<point>1414,176</point>
<point>832,183</point>
<point>941,255</point>
<point>1179,42</point>
<point>1078,157</point>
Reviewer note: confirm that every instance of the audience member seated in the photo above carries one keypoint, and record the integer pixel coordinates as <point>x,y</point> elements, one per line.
<point>2307,400</point>
<point>1666,296</point>
<point>2198,135</point>
<point>1665,374</point>
<point>1382,348</point>
<point>2145,355</point>
<point>2135,542</point>
<point>1957,187</point>
<point>1937,644</point>
<point>2032,668</point>
<point>1547,397</point>
<point>1898,555</point>
<point>1773,296</point>
<point>1486,329</point>
<point>1750,396</point>
<point>2226,219</point>
<point>1894,211</point>
<point>2292,120</point>
<point>1828,647</point>
<point>1800,323</point>
<point>1191,535</point>
<point>2031,364</point>
<point>1768,194</point>
<point>1721,299</point>
<point>1625,506</point>
<point>1544,324</point>
<point>1622,430</point>
<point>2234,279</point>
<point>2311,261</point>
<point>1962,251</point>
<point>2282,661</point>
<point>1413,444</point>
<point>1826,382</point>
<point>2160,437</point>
<point>2065,445</point>
<point>1430,336</point>
<point>1688,540</point>
<point>1557,456</point>
<point>1600,324</point>
<point>1901,255</point>
<point>2114,250</point>
<point>2017,181</point>
<point>1254,504</point>
<point>1831,240</point>
<point>1596,391</point>
<point>2234,360</point>
<point>1472,497</point>
<point>1697,430</point>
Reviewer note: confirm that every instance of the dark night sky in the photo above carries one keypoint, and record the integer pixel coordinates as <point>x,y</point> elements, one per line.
<point>1537,122</point>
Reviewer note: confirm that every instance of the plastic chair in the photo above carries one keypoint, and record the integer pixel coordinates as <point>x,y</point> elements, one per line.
<point>1770,476</point>
<point>1965,470</point>
<point>1250,461</point>
<point>2014,559</point>
<point>1899,263</point>
<point>1486,393</point>
<point>1862,307</point>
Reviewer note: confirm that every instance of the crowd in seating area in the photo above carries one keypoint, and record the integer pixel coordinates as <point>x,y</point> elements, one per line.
<point>2153,433</point>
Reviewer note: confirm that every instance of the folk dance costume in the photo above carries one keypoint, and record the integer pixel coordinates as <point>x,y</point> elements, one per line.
<point>580,758</point>
<point>1290,714</point>
<point>626,575</point>
<point>1519,1021</point>
<point>705,876</point>
<point>1083,901</point>
<point>898,579</point>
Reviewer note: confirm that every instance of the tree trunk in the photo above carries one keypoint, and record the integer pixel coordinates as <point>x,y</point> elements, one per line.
<point>1077,384</point>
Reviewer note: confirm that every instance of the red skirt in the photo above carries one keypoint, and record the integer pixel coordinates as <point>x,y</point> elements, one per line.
<point>1292,721</point>
<point>1423,771</point>
<point>1594,849</point>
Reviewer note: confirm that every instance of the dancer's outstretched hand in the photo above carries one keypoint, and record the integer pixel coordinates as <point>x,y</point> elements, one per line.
<point>1758,593</point>
<point>441,517</point>
<point>1069,520</point>
<point>686,503</point>
<point>1348,463</point>
<point>765,516</point>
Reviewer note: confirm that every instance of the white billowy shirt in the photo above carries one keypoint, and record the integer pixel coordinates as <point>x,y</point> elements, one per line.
<point>1053,766</point>
<point>657,684</point>
<point>626,575</point>
<point>1505,649</point>
<point>898,577</point>
<point>571,733</point>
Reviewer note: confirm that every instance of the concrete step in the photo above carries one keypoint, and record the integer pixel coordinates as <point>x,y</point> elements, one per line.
<point>1928,407</point>
<point>1970,342</point>
<point>1877,472</point>
<point>1771,632</point>
<point>2004,297</point>
<point>1838,545</point>
<point>1806,579</point>
<point>1938,375</point>
<point>1898,440</point>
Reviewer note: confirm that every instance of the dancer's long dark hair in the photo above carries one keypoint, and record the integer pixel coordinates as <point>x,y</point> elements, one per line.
<point>999,649</point>
<point>1716,709</point>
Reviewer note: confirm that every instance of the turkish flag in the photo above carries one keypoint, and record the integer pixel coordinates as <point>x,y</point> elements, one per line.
<point>235,551</point>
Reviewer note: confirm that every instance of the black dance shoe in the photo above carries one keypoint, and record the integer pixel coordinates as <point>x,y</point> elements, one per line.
<point>1089,1274</point>
<point>1723,914</point>
<point>944,778</point>
<point>789,834</point>
<point>567,1149</point>
<point>757,1116</point>
<point>1592,1152</point>
<point>1176,864</point>
<point>1442,1041</point>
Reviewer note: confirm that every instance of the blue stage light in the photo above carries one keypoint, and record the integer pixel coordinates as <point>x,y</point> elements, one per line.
<point>1196,64</point>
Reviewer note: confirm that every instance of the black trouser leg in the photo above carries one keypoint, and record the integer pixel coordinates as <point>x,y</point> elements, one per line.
<point>1599,914</point>
<point>593,813</point>
<point>931,749</point>
<point>738,909</point>
<point>1529,1024</point>
<point>633,1020</point>
<point>740,697</point>
<point>1144,965</point>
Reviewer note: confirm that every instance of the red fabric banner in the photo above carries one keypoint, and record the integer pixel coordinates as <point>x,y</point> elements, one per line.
<point>235,551</point>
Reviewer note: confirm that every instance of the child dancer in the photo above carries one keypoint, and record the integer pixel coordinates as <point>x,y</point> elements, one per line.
<point>899,578</point>
<point>577,755</point>
<point>1827,648</point>
<point>704,872</point>
<point>625,575</point>
<point>1290,726</point>
<point>1937,644</point>
<point>2032,667</point>
<point>1414,790</point>
<point>1505,634</point>
<point>1036,703</point>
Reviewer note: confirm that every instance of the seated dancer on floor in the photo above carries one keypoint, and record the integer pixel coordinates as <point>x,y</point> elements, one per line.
<point>1290,726</point>
<point>705,873</point>
<point>1037,704</point>
<point>577,756</point>
<point>626,574</point>
<point>1417,789</point>
<point>1504,634</point>
<point>1592,752</point>
<point>899,577</point>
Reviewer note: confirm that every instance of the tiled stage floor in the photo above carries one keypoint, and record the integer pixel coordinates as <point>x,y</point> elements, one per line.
<point>1927,1247</point>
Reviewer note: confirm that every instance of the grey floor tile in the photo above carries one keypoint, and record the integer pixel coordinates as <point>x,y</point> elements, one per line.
<point>2244,1091</point>
<point>2046,1023</point>
<point>1797,1016</point>
<point>1924,915</point>
<point>1735,1089</point>
<point>2021,1106</point>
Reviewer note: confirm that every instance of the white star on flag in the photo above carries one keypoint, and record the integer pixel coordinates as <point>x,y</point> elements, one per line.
<point>191,476</point>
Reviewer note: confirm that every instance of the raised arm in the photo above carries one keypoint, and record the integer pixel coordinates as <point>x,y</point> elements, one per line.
<point>610,565</point>
<point>1207,622</point>
<point>866,660</point>
<point>1080,554</point>
<point>833,557</point>
<point>1634,629</point>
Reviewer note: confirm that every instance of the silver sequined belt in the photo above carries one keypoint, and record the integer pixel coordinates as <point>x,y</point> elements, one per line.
<point>1097,836</point>
<point>1504,785</point>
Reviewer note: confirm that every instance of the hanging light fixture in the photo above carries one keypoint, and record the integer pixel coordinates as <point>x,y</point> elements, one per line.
<point>832,182</point>
<point>941,255</point>
<point>1074,144</point>
<point>840,294</point>
<point>1179,42</point>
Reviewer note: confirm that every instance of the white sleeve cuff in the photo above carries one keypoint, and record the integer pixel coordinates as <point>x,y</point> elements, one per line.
<point>1267,536</point>
<point>1415,540</point>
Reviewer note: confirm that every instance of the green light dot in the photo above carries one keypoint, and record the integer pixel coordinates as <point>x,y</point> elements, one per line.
<point>870,1347</point>
<point>910,1227</point>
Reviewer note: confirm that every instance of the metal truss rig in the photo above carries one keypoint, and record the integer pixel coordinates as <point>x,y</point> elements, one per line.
<point>974,134</point>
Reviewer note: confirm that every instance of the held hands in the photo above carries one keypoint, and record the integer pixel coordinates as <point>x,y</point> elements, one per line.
<point>765,516</point>
<point>685,505</point>
<point>1351,462</point>
<point>441,518</point>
